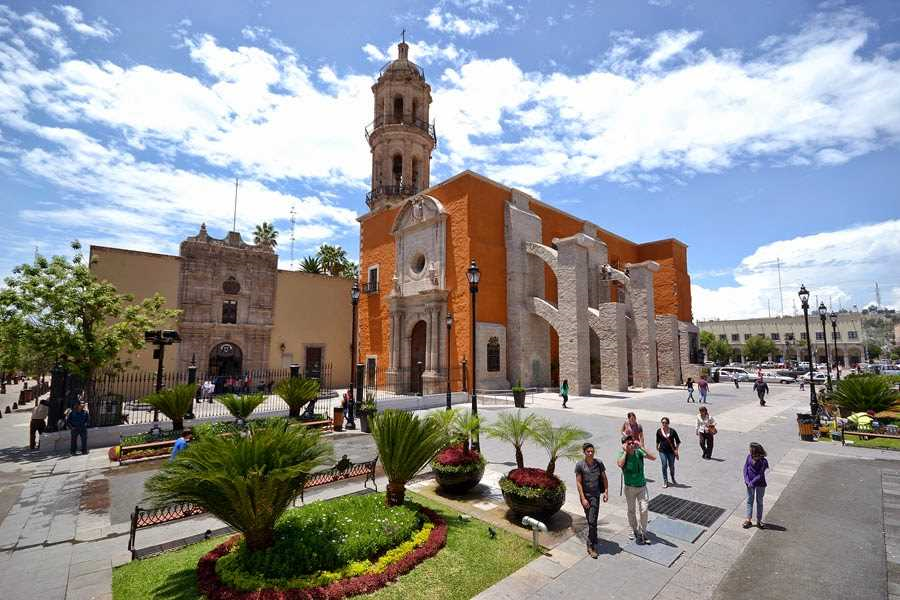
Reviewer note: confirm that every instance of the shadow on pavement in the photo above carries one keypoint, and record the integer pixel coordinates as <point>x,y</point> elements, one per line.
<point>608,547</point>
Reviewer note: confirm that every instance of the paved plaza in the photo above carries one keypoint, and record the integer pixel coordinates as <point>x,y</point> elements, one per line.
<point>835,512</point>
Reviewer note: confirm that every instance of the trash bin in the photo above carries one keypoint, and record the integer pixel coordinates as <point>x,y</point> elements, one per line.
<point>806,424</point>
<point>337,423</point>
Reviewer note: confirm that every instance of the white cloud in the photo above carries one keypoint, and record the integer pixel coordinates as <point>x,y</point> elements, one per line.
<point>669,44</point>
<point>839,267</point>
<point>447,22</point>
<point>99,28</point>
<point>422,53</point>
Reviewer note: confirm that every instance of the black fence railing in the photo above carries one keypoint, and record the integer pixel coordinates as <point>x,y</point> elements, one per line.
<point>386,383</point>
<point>401,190</point>
<point>406,119</point>
<point>118,399</point>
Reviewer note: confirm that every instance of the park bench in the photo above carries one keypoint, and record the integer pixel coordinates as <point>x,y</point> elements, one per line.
<point>143,518</point>
<point>881,432</point>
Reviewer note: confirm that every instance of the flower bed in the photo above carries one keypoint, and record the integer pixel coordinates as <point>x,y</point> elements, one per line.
<point>144,438</point>
<point>358,577</point>
<point>222,427</point>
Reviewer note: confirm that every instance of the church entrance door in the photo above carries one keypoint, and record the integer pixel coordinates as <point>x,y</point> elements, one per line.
<point>417,356</point>
<point>226,360</point>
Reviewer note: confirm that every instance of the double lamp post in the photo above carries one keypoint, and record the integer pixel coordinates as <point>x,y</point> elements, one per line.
<point>823,316</point>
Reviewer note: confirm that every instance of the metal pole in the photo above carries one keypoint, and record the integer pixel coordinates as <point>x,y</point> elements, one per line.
<point>351,400</point>
<point>834,342</point>
<point>825,342</point>
<point>159,374</point>
<point>476,444</point>
<point>449,400</point>
<point>813,401</point>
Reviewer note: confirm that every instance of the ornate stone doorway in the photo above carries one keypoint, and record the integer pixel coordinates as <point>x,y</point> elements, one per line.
<point>226,359</point>
<point>417,342</point>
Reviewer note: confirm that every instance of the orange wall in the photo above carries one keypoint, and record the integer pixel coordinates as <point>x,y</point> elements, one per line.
<point>672,284</point>
<point>376,246</point>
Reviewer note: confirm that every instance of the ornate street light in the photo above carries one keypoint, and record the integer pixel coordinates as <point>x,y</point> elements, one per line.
<point>160,339</point>
<point>804,303</point>
<point>474,276</point>
<point>834,320</point>
<point>449,326</point>
<point>823,314</point>
<point>354,300</point>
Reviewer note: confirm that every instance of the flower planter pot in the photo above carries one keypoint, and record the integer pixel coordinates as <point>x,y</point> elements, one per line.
<point>519,398</point>
<point>364,422</point>
<point>541,508</point>
<point>459,483</point>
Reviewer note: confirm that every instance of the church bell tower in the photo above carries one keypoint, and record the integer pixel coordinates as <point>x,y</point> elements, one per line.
<point>400,137</point>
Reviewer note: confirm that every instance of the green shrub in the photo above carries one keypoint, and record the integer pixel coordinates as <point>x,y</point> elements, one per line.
<point>297,392</point>
<point>325,536</point>
<point>174,402</point>
<point>143,438</point>
<point>405,445</point>
<point>241,407</point>
<point>858,393</point>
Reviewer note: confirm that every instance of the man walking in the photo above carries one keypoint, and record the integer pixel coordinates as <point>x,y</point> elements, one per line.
<point>78,421</point>
<point>590,475</point>
<point>38,422</point>
<point>703,386</point>
<point>762,389</point>
<point>631,460</point>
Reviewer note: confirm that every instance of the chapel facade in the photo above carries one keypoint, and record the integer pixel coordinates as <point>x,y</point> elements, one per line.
<point>559,298</point>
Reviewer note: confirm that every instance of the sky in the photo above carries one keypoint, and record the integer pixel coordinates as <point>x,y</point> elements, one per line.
<point>761,134</point>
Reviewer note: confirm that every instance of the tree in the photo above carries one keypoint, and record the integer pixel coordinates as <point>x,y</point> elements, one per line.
<point>243,406</point>
<point>559,442</point>
<point>874,350</point>
<point>706,339</point>
<point>895,353</point>
<point>719,351</point>
<point>247,482</point>
<point>758,348</point>
<point>350,270</point>
<point>332,258</point>
<point>174,402</point>
<point>857,393</point>
<point>297,392</point>
<point>69,317</point>
<point>311,264</point>
<point>405,443</point>
<point>265,235</point>
<point>514,429</point>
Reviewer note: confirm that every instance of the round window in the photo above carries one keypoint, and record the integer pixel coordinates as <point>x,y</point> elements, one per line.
<point>418,263</point>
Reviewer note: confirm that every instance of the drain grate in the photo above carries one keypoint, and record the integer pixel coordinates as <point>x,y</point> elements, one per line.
<point>685,510</point>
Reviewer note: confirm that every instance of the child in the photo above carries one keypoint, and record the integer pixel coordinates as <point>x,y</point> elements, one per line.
<point>690,389</point>
<point>564,392</point>
<point>755,480</point>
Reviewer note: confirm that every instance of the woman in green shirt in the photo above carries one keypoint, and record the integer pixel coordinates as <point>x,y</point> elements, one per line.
<point>564,392</point>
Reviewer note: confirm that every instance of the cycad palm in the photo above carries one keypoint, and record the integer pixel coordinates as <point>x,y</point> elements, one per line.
<point>174,402</point>
<point>514,429</point>
<point>311,264</point>
<point>241,407</point>
<point>247,482</point>
<point>559,442</point>
<point>405,445</point>
<point>863,392</point>
<point>297,392</point>
<point>265,235</point>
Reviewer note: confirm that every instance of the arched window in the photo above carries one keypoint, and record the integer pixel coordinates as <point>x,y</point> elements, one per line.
<point>493,354</point>
<point>397,169</point>
<point>398,109</point>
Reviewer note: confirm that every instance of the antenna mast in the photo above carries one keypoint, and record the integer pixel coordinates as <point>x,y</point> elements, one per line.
<point>234,221</point>
<point>293,220</point>
<point>780,293</point>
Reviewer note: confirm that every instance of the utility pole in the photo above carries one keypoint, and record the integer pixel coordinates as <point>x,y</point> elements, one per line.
<point>234,221</point>
<point>780,293</point>
<point>293,221</point>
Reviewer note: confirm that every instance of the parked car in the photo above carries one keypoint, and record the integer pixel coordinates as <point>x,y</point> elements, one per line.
<point>779,377</point>
<point>816,377</point>
<point>734,373</point>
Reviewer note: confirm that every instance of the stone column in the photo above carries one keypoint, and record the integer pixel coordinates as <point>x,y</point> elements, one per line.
<point>644,345</point>
<point>668,350</point>
<point>429,339</point>
<point>527,335</point>
<point>393,340</point>
<point>572,294</point>
<point>609,326</point>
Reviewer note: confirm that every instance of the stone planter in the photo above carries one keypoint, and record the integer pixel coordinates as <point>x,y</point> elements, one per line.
<point>459,483</point>
<point>541,508</point>
<point>519,398</point>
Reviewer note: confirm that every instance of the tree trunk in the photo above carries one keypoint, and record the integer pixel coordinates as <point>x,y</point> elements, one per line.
<point>520,460</point>
<point>396,494</point>
<point>293,411</point>
<point>551,467</point>
<point>259,540</point>
<point>177,424</point>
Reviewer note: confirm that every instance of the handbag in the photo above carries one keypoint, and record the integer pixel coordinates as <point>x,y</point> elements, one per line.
<point>711,429</point>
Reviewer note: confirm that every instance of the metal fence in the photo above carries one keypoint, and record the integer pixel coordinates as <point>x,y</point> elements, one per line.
<point>118,399</point>
<point>384,383</point>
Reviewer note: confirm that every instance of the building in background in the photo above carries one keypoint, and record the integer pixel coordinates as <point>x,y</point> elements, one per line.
<point>239,312</point>
<point>559,297</point>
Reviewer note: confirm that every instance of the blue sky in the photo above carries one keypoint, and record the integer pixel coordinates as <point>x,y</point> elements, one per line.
<point>756,132</point>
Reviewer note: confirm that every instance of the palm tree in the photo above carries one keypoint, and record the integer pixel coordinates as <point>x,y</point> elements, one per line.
<point>857,393</point>
<point>405,445</point>
<point>311,264</point>
<point>332,258</point>
<point>513,429</point>
<point>174,402</point>
<point>350,270</point>
<point>242,407</point>
<point>559,442</point>
<point>297,392</point>
<point>458,425</point>
<point>265,235</point>
<point>247,482</point>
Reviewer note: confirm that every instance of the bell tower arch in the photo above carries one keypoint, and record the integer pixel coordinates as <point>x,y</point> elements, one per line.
<point>401,137</point>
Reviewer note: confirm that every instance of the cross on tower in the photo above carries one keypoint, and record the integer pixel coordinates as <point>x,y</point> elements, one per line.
<point>403,36</point>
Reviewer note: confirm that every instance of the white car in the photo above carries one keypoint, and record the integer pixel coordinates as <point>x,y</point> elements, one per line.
<point>734,373</point>
<point>816,377</point>
<point>773,377</point>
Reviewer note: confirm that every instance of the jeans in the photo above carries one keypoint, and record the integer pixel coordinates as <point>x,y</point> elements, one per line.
<point>759,492</point>
<point>590,513</point>
<point>638,500</point>
<point>706,444</point>
<point>76,433</point>
<point>703,395</point>
<point>35,430</point>
<point>667,460</point>
<point>690,395</point>
<point>565,398</point>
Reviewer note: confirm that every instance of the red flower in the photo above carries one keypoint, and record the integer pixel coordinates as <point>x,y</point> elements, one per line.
<point>536,478</point>
<point>455,456</point>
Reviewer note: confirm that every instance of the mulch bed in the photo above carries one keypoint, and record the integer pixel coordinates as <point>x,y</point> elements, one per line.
<point>209,584</point>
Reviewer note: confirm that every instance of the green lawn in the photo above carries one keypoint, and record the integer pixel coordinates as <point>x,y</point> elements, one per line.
<point>469,563</point>
<point>879,443</point>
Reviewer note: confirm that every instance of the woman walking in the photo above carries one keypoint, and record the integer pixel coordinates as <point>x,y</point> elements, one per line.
<point>564,392</point>
<point>690,389</point>
<point>633,428</point>
<point>706,429</point>
<point>667,442</point>
<point>755,480</point>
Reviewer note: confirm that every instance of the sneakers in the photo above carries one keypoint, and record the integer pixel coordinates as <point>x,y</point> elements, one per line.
<point>760,524</point>
<point>644,540</point>
<point>632,536</point>
<point>591,552</point>
<point>666,484</point>
<point>747,525</point>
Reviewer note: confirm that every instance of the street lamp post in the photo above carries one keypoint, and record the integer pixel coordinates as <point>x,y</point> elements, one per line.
<point>449,325</point>
<point>823,315</point>
<point>161,339</point>
<point>804,303</point>
<point>474,276</point>
<point>834,320</point>
<point>354,300</point>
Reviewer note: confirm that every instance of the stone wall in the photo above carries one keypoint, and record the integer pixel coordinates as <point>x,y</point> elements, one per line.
<point>668,351</point>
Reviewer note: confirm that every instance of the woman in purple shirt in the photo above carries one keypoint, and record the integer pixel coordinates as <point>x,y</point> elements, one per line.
<point>755,480</point>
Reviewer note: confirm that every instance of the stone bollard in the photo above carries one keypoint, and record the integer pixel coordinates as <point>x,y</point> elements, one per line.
<point>7,410</point>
